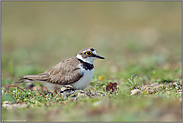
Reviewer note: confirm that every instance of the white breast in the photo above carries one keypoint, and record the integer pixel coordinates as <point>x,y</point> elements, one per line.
<point>81,84</point>
<point>85,80</point>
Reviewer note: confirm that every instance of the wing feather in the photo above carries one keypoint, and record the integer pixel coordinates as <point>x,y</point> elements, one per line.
<point>65,73</point>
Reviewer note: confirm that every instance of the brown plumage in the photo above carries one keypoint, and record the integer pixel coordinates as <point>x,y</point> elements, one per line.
<point>63,73</point>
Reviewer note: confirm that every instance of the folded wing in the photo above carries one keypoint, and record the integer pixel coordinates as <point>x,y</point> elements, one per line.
<point>64,73</point>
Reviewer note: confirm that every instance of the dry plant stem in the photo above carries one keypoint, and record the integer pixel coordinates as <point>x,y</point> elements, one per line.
<point>13,86</point>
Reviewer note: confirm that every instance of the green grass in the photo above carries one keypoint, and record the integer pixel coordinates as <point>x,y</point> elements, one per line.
<point>141,42</point>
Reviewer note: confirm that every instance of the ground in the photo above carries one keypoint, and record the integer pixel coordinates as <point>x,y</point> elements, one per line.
<point>141,42</point>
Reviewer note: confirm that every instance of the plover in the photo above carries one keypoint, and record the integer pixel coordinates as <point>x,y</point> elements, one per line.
<point>76,71</point>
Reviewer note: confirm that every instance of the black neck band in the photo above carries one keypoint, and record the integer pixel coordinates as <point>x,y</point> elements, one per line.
<point>86,65</point>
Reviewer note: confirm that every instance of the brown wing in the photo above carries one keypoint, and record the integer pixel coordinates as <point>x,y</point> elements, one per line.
<point>64,73</point>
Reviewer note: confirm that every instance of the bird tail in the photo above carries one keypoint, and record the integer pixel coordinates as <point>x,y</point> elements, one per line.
<point>29,78</point>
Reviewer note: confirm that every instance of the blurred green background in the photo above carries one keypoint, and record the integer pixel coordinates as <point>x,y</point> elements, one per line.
<point>41,34</point>
<point>130,35</point>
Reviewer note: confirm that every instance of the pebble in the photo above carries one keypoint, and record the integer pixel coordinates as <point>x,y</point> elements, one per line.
<point>81,94</point>
<point>101,102</point>
<point>9,106</point>
<point>155,84</point>
<point>97,103</point>
<point>146,87</point>
<point>158,86</point>
<point>168,92</point>
<point>135,92</point>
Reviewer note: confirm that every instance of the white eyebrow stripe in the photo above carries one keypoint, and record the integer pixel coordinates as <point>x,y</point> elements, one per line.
<point>94,52</point>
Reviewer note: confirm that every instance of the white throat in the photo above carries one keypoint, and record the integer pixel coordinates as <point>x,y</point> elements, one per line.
<point>88,60</point>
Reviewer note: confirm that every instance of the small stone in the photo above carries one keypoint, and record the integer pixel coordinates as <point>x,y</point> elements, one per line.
<point>151,91</point>
<point>97,103</point>
<point>158,86</point>
<point>146,87</point>
<point>5,105</point>
<point>155,84</point>
<point>168,92</point>
<point>24,105</point>
<point>101,102</point>
<point>9,106</point>
<point>135,92</point>
<point>2,92</point>
<point>6,102</point>
<point>81,94</point>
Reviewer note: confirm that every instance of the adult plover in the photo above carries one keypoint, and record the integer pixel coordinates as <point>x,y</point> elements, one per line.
<point>76,71</point>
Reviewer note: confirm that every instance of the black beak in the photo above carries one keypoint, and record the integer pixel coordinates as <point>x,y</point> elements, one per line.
<point>100,57</point>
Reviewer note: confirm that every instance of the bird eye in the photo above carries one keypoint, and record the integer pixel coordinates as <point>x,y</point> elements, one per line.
<point>88,53</point>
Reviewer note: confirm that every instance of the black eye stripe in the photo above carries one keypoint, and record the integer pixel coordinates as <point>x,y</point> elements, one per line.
<point>92,55</point>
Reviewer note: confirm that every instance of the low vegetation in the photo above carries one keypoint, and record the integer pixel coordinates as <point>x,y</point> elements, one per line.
<point>140,79</point>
